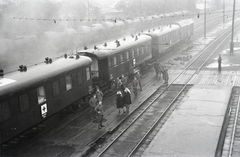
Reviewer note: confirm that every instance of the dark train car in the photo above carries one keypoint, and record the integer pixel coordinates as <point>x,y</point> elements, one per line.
<point>27,98</point>
<point>165,38</point>
<point>187,28</point>
<point>162,38</point>
<point>118,57</point>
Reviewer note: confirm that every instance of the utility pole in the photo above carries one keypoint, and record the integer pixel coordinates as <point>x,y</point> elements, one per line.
<point>232,43</point>
<point>205,23</point>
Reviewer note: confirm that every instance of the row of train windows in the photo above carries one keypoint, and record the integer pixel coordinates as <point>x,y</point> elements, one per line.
<point>169,36</point>
<point>24,101</point>
<point>118,59</point>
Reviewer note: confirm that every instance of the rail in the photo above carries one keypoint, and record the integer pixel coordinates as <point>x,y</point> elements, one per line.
<point>161,116</point>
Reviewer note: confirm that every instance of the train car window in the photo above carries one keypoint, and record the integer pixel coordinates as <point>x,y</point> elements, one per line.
<point>115,61</point>
<point>80,77</point>
<point>88,73</point>
<point>41,94</point>
<point>56,88</point>
<point>68,82</point>
<point>24,102</point>
<point>133,55</point>
<point>127,55</point>
<point>121,58</point>
<point>4,111</point>
<point>110,62</point>
<point>137,51</point>
<point>143,50</point>
<point>14,105</point>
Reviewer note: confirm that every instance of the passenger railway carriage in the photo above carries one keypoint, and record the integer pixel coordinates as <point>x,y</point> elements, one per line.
<point>118,57</point>
<point>27,98</point>
<point>111,60</point>
<point>165,38</point>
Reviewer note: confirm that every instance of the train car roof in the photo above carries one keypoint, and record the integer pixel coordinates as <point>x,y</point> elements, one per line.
<point>128,21</point>
<point>136,20</point>
<point>111,48</point>
<point>97,27</point>
<point>185,22</point>
<point>35,75</point>
<point>162,30</point>
<point>109,24</point>
<point>85,29</point>
<point>119,23</point>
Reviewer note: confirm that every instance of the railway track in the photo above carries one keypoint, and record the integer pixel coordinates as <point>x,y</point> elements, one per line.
<point>137,132</point>
<point>229,142</point>
<point>43,127</point>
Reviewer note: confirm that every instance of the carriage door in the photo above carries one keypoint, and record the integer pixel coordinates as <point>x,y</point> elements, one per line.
<point>94,67</point>
<point>42,101</point>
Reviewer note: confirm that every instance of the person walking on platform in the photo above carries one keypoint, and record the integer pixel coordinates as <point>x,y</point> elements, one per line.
<point>165,75</point>
<point>119,101</point>
<point>99,94</point>
<point>119,83</point>
<point>139,76</point>
<point>123,80</point>
<point>111,82</point>
<point>156,68</point>
<point>93,103</point>
<point>161,70</point>
<point>219,63</point>
<point>99,111</point>
<point>126,98</point>
<point>135,85</point>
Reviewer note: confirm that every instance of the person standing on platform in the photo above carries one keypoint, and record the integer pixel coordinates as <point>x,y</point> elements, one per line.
<point>139,76</point>
<point>123,80</point>
<point>93,103</point>
<point>119,83</point>
<point>111,82</point>
<point>165,75</point>
<point>119,101</point>
<point>219,63</point>
<point>99,111</point>
<point>99,94</point>
<point>156,67</point>
<point>135,85</point>
<point>126,98</point>
<point>161,70</point>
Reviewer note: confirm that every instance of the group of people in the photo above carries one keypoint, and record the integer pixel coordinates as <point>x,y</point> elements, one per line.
<point>161,71</point>
<point>116,84</point>
<point>123,94</point>
<point>123,99</point>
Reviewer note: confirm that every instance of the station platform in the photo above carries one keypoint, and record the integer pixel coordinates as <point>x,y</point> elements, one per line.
<point>193,129</point>
<point>75,134</point>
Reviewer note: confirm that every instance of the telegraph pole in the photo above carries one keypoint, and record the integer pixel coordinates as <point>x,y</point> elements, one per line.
<point>205,23</point>
<point>232,44</point>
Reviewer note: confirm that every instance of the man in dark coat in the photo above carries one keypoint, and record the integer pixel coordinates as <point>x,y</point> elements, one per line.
<point>93,103</point>
<point>161,70</point>
<point>165,75</point>
<point>99,111</point>
<point>139,76</point>
<point>156,67</point>
<point>219,63</point>
<point>127,98</point>
<point>119,101</point>
<point>135,84</point>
